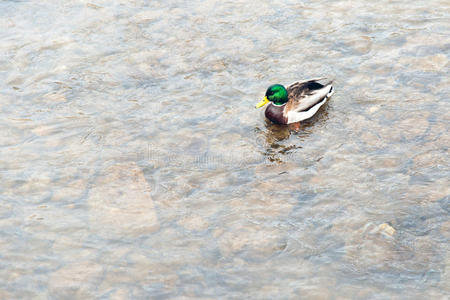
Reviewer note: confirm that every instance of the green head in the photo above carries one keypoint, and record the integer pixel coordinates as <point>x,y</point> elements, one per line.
<point>277,94</point>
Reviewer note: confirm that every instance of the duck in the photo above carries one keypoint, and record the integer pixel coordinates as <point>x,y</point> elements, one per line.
<point>298,102</point>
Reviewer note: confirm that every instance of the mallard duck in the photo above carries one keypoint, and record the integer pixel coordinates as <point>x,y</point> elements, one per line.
<point>298,102</point>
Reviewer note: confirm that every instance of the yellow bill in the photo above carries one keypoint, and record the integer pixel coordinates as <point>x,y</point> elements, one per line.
<point>262,103</point>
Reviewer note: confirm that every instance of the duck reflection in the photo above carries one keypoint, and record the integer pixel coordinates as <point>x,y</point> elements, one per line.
<point>276,139</point>
<point>273,139</point>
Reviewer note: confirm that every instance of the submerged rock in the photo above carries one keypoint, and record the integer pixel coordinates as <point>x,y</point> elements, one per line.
<point>120,204</point>
<point>193,223</point>
<point>414,127</point>
<point>386,229</point>
<point>75,281</point>
<point>256,241</point>
<point>372,247</point>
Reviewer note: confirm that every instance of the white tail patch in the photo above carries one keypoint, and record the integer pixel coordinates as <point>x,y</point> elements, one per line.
<point>297,116</point>
<point>331,92</point>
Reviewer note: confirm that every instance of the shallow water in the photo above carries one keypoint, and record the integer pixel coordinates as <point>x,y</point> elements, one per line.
<point>134,164</point>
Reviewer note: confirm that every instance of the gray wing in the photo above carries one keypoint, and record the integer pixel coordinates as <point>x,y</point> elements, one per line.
<point>305,94</point>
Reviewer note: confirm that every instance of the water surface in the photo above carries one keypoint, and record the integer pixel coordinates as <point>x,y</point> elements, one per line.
<point>134,165</point>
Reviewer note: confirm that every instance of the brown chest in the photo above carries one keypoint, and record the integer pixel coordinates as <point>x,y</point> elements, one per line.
<point>275,114</point>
